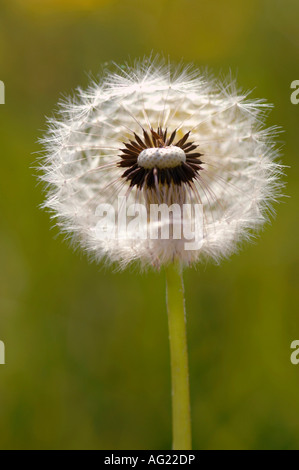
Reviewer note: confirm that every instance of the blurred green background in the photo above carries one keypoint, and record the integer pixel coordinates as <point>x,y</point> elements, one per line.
<point>86,348</point>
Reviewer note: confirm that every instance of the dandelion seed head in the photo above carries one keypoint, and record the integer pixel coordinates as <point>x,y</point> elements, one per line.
<point>159,133</point>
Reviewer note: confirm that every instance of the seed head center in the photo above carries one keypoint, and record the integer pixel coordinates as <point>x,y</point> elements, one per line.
<point>161,157</point>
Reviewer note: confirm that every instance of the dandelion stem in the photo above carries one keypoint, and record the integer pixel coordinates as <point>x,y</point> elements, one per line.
<point>181,419</point>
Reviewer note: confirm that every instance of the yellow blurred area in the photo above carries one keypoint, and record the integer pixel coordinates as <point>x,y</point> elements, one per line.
<point>44,6</point>
<point>189,29</point>
<point>195,30</point>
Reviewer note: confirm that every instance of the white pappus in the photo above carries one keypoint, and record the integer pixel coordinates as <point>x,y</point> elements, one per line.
<point>158,133</point>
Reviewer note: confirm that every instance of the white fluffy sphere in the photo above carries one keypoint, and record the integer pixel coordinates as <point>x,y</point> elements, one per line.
<point>232,174</point>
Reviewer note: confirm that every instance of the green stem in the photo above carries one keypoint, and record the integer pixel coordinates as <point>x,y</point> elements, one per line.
<point>181,419</point>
